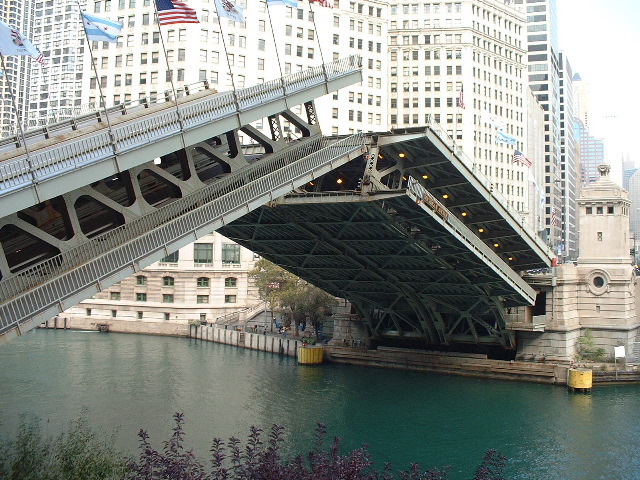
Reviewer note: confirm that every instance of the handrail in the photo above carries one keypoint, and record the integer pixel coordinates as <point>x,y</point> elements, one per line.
<point>44,284</point>
<point>42,164</point>
<point>484,180</point>
<point>463,231</point>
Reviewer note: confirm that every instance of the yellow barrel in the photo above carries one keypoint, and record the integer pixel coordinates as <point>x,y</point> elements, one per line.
<point>310,355</point>
<point>580,378</point>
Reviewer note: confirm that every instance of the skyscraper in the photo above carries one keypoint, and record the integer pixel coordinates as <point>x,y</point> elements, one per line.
<point>544,80</point>
<point>15,82</point>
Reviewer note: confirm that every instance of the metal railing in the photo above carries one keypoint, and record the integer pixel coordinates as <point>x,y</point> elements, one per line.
<point>26,169</point>
<point>472,240</point>
<point>484,180</point>
<point>36,288</point>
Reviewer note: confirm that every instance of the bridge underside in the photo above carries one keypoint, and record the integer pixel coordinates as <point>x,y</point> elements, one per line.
<point>412,264</point>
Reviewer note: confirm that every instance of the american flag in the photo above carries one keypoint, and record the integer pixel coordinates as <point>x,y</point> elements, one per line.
<point>173,11</point>
<point>519,157</point>
<point>553,215</point>
<point>461,97</point>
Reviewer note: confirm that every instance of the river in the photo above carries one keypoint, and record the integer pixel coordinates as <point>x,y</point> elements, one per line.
<point>128,382</point>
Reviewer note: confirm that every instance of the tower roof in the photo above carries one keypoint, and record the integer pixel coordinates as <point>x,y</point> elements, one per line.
<point>603,188</point>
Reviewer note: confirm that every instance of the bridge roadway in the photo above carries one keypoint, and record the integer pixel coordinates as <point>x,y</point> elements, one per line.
<point>78,241</point>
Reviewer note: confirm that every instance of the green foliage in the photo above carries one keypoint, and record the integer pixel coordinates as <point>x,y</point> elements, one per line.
<point>586,348</point>
<point>291,295</point>
<point>80,453</point>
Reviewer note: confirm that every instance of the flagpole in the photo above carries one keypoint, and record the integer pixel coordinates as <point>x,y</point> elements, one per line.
<point>166,58</point>
<point>226,54</point>
<point>95,70</point>
<point>315,27</point>
<point>15,108</point>
<point>276,47</point>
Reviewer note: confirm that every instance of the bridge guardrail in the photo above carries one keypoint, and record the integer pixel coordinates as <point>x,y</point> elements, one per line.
<point>44,284</point>
<point>463,231</point>
<point>28,169</point>
<point>484,180</point>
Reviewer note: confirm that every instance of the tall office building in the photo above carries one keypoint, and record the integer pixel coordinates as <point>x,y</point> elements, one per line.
<point>55,91</point>
<point>544,80</point>
<point>591,153</point>
<point>568,247</point>
<point>581,99</point>
<point>442,52</point>
<point>14,83</point>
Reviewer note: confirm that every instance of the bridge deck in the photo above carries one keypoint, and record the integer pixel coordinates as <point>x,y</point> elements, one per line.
<point>54,166</point>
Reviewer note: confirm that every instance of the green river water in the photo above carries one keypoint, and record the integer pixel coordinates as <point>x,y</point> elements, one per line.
<point>129,382</point>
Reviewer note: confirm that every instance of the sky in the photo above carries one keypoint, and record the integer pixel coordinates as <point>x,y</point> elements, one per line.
<point>601,39</point>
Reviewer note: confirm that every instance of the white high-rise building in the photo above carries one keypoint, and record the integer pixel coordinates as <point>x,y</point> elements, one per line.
<point>437,50</point>
<point>14,83</point>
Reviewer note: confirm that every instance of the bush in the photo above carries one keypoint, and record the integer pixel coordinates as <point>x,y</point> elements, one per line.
<point>257,460</point>
<point>81,454</point>
<point>586,348</point>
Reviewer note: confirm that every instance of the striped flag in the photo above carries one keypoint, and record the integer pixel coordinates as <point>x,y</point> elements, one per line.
<point>173,11</point>
<point>288,3</point>
<point>100,29</point>
<point>461,97</point>
<point>519,157</point>
<point>553,215</point>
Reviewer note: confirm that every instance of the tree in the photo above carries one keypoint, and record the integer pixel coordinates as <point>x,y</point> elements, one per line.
<point>299,300</point>
<point>586,348</point>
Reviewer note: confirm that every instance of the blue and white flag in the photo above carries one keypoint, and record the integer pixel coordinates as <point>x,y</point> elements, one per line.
<point>100,29</point>
<point>504,138</point>
<point>288,3</point>
<point>491,119</point>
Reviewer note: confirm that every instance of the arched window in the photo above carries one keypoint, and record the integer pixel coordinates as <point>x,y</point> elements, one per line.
<point>167,281</point>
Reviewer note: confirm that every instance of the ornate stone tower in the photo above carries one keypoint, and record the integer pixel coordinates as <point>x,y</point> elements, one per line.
<point>598,292</point>
<point>606,294</point>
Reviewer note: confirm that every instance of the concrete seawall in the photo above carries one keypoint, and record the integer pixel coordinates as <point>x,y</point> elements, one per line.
<point>210,333</point>
<point>239,338</point>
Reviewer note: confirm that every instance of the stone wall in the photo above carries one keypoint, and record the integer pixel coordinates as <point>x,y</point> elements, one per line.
<point>173,328</point>
<point>240,338</point>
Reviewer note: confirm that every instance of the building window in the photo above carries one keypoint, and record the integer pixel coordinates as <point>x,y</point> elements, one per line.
<point>167,298</point>
<point>610,210</point>
<point>88,312</point>
<point>229,299</point>
<point>141,280</point>
<point>141,297</point>
<point>114,296</point>
<point>172,258</point>
<point>599,210</point>
<point>168,281</point>
<point>202,298</point>
<point>203,318</point>
<point>202,282</point>
<point>114,313</point>
<point>166,317</point>
<point>230,282</point>
<point>140,315</point>
<point>589,210</point>
<point>230,253</point>
<point>599,235</point>
<point>203,252</point>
